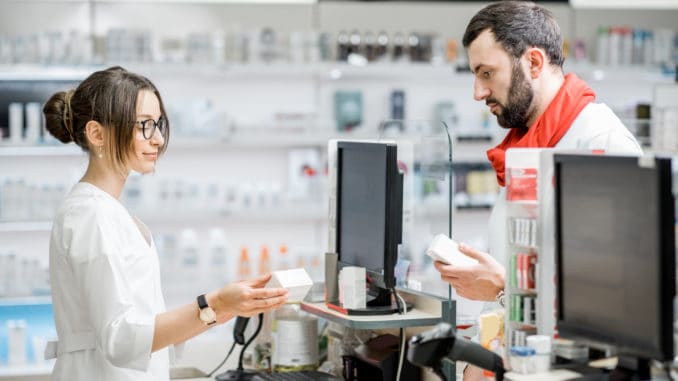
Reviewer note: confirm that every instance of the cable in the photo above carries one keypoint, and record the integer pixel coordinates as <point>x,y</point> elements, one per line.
<point>401,360</point>
<point>402,301</point>
<point>402,309</point>
<point>224,361</point>
<point>240,360</point>
<point>395,295</point>
<point>244,347</point>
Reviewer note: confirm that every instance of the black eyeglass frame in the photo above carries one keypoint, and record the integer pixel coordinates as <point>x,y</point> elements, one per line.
<point>162,122</point>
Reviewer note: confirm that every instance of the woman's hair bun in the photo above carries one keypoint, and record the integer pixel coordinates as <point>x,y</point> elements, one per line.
<point>58,116</point>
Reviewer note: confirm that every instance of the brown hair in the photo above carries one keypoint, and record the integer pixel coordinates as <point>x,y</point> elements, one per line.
<point>518,25</point>
<point>108,97</point>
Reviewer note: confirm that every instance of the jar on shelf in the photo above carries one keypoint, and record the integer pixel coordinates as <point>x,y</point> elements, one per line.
<point>295,339</point>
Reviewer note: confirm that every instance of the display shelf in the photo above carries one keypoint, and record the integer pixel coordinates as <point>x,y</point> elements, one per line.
<point>38,72</point>
<point>247,71</point>
<point>263,138</point>
<point>316,213</point>
<point>7,150</point>
<point>440,211</point>
<point>623,4</point>
<point>413,318</point>
<point>623,74</point>
<point>522,291</point>
<point>428,310</point>
<point>208,1</point>
<point>29,370</point>
<point>470,152</point>
<point>522,326</point>
<point>324,71</point>
<point>523,246</point>
<point>303,213</point>
<point>25,226</point>
<point>529,258</point>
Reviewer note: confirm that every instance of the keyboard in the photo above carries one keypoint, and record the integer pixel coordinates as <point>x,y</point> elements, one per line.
<point>305,375</point>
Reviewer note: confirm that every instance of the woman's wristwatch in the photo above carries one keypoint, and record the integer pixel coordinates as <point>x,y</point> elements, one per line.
<point>207,314</point>
<point>501,298</point>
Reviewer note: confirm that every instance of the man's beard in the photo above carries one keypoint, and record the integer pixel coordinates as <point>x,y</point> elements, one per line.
<point>516,112</point>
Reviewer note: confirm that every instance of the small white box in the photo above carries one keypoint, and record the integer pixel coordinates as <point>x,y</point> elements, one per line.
<point>352,287</point>
<point>447,251</point>
<point>296,281</point>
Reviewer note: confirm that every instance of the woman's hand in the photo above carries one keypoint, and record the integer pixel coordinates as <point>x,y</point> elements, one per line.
<point>246,298</point>
<point>481,281</point>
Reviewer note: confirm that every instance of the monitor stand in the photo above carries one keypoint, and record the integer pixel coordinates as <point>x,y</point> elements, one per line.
<point>627,369</point>
<point>631,369</point>
<point>379,305</point>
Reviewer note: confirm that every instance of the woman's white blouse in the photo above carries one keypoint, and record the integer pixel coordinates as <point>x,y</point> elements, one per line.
<point>106,292</point>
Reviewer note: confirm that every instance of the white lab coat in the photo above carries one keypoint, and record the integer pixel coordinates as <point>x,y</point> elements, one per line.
<point>105,280</point>
<point>596,127</point>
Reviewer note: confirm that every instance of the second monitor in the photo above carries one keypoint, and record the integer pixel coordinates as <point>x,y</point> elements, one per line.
<point>369,205</point>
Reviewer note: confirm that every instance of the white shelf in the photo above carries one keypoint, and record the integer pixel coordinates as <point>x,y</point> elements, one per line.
<point>291,214</point>
<point>329,71</point>
<point>210,1</point>
<point>37,72</point>
<point>25,226</point>
<point>262,138</point>
<point>619,75</point>
<point>465,152</point>
<point>7,150</point>
<point>624,4</point>
<point>10,372</point>
<point>247,71</point>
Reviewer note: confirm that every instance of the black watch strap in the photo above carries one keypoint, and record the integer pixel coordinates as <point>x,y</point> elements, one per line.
<point>202,301</point>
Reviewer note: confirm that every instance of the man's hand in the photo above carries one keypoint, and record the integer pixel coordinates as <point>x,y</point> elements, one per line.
<point>481,281</point>
<point>473,373</point>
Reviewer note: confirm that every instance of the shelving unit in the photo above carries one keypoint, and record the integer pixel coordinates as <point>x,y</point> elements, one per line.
<point>530,263</point>
<point>428,310</point>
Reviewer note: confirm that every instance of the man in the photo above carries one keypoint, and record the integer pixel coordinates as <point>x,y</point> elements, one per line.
<point>515,52</point>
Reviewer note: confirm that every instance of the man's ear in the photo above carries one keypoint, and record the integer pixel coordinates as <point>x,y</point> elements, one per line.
<point>95,133</point>
<point>536,59</point>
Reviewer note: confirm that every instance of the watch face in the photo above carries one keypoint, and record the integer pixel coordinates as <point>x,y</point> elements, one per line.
<point>207,315</point>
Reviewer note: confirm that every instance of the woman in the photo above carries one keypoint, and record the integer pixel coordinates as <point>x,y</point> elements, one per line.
<point>108,306</point>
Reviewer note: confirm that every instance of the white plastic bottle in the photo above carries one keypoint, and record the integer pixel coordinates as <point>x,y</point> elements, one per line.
<point>602,46</point>
<point>33,122</point>
<point>188,249</point>
<point>218,254</point>
<point>16,122</point>
<point>16,342</point>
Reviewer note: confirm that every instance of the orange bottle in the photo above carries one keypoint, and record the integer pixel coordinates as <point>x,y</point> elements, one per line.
<point>283,259</point>
<point>244,270</point>
<point>264,261</point>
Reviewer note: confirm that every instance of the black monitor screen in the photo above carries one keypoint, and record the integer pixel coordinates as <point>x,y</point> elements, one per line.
<point>615,252</point>
<point>369,217</point>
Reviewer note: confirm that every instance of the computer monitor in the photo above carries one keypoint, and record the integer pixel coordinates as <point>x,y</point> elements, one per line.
<point>369,202</point>
<point>615,256</point>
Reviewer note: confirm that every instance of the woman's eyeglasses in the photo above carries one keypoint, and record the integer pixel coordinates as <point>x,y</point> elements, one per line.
<point>149,126</point>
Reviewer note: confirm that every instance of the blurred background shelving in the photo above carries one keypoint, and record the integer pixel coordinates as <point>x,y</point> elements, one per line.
<point>254,91</point>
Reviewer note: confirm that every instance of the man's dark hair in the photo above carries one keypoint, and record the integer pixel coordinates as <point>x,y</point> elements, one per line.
<point>517,26</point>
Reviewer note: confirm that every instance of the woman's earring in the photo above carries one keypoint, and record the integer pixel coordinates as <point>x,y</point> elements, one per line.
<point>101,152</point>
